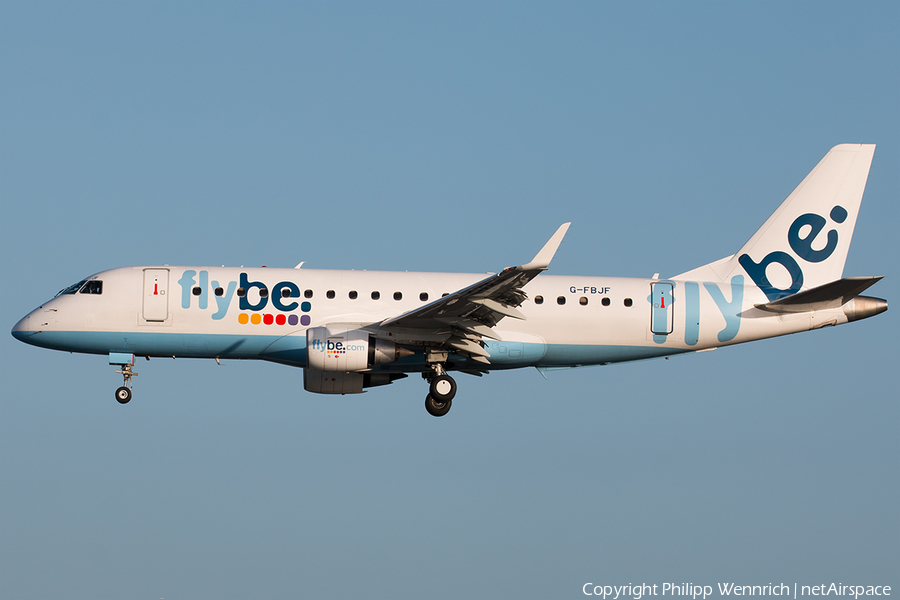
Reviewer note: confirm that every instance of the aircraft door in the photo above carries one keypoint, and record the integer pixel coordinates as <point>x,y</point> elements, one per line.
<point>661,317</point>
<point>156,294</point>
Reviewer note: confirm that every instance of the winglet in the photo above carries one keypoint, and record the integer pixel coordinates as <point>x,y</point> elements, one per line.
<point>543,258</point>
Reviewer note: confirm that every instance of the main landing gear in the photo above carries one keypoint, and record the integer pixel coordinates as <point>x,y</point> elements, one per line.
<point>441,390</point>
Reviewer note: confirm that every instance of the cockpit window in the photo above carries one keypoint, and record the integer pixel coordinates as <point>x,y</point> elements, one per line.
<point>72,289</point>
<point>93,286</point>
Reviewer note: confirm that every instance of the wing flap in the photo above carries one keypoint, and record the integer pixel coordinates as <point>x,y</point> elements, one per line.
<point>473,327</point>
<point>470,346</point>
<point>501,309</point>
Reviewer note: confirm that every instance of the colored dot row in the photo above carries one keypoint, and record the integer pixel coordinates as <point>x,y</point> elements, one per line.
<point>267,319</point>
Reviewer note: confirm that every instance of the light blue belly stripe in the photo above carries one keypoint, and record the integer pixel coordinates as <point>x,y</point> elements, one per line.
<point>291,350</point>
<point>155,344</point>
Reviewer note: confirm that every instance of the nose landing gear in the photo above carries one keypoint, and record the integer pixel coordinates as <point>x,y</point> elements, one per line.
<point>123,394</point>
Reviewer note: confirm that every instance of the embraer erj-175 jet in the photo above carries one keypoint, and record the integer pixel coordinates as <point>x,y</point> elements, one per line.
<point>351,330</point>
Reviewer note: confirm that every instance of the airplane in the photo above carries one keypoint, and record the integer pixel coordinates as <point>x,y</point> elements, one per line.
<point>353,330</point>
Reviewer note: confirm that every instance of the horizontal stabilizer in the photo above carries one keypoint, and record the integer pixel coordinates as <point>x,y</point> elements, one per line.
<point>830,295</point>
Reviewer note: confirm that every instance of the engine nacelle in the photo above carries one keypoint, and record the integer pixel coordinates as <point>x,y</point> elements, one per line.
<point>348,351</point>
<point>322,382</point>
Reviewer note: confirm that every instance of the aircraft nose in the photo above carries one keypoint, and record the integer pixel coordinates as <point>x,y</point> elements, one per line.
<point>24,329</point>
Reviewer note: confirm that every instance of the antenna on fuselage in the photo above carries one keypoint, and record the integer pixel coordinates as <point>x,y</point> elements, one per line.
<point>300,264</point>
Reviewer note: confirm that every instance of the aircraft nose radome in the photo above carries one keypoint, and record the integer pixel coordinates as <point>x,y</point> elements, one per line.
<point>23,329</point>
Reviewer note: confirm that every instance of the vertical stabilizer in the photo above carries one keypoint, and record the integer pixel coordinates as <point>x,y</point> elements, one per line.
<point>804,243</point>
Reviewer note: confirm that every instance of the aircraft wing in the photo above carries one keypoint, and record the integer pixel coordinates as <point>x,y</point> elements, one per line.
<point>470,313</point>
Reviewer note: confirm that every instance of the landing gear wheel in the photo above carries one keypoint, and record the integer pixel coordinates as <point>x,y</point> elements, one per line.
<point>443,388</point>
<point>123,395</point>
<point>436,408</point>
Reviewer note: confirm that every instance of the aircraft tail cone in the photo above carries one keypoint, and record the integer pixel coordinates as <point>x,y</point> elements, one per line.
<point>863,307</point>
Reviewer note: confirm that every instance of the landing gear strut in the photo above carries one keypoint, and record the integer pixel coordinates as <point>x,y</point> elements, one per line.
<point>123,394</point>
<point>441,390</point>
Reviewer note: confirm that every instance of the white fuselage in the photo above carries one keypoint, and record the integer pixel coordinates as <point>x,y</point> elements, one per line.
<point>570,320</point>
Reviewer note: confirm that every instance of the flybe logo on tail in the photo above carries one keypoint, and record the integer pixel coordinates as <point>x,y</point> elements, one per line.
<point>801,235</point>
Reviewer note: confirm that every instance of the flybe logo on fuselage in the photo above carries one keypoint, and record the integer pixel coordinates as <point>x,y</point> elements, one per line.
<point>281,295</point>
<point>802,247</point>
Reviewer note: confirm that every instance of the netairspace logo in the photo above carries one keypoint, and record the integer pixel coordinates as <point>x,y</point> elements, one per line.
<point>694,591</point>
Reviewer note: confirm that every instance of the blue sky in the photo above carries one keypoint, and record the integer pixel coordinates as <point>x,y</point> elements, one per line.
<point>444,137</point>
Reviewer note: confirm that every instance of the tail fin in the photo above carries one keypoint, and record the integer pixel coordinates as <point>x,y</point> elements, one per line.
<point>804,243</point>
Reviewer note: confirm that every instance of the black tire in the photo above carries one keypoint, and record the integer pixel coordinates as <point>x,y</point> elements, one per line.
<point>435,408</point>
<point>123,395</point>
<point>443,388</point>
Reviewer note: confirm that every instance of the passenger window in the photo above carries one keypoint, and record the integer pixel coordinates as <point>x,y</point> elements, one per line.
<point>263,293</point>
<point>241,292</point>
<point>423,296</point>
<point>329,294</point>
<point>398,296</point>
<point>605,302</point>
<point>196,291</point>
<point>376,295</point>
<point>561,300</point>
<point>92,287</point>
<point>628,302</point>
<point>353,295</point>
<point>219,291</point>
<point>538,299</point>
<point>308,294</point>
<point>582,301</point>
<point>285,293</point>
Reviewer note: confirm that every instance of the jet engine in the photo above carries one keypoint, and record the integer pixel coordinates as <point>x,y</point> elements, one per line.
<point>348,351</point>
<point>336,356</point>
